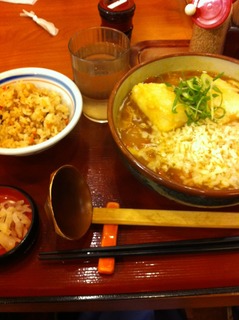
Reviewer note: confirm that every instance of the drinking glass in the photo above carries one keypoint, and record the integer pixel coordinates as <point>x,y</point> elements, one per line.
<point>100,57</point>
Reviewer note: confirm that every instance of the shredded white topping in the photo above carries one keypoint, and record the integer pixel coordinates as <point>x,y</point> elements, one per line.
<point>14,223</point>
<point>201,155</point>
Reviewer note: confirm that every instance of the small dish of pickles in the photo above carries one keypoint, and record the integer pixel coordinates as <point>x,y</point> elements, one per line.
<point>18,222</point>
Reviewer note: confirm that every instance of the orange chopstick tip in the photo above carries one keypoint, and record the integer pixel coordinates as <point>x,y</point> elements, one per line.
<point>106,265</point>
<point>109,238</point>
<point>112,204</point>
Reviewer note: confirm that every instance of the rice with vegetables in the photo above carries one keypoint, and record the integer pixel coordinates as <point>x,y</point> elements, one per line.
<point>30,115</point>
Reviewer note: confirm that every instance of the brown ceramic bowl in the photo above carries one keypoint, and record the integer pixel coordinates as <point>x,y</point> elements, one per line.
<point>159,182</point>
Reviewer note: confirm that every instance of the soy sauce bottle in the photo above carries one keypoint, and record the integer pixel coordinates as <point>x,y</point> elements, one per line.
<point>117,14</point>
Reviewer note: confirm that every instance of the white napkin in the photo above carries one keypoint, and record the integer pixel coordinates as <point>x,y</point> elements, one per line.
<point>20,1</point>
<point>48,26</point>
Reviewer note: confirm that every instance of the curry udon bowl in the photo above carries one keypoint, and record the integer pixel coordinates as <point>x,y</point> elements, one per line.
<point>165,185</point>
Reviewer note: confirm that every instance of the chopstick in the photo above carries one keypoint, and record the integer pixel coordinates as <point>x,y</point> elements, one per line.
<point>109,238</point>
<point>155,248</point>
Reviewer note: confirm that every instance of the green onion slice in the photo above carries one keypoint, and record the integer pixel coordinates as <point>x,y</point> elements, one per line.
<point>200,97</point>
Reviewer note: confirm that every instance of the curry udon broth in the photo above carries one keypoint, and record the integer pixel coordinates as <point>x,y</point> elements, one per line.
<point>202,155</point>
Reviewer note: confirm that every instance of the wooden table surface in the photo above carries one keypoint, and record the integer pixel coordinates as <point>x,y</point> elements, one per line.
<point>159,282</point>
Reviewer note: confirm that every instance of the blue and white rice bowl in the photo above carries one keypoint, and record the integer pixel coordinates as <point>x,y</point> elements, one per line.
<point>53,81</point>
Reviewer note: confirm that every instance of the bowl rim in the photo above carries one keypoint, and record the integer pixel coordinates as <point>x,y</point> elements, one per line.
<point>31,234</point>
<point>160,177</point>
<point>55,77</point>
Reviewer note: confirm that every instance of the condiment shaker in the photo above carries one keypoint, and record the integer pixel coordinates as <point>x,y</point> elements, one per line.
<point>211,23</point>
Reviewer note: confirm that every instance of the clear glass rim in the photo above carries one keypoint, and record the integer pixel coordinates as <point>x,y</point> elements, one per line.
<point>119,33</point>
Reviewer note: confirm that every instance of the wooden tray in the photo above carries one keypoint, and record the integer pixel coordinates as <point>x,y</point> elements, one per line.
<point>152,49</point>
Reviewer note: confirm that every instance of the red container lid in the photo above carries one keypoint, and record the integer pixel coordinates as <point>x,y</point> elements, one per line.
<point>117,6</point>
<point>211,13</point>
